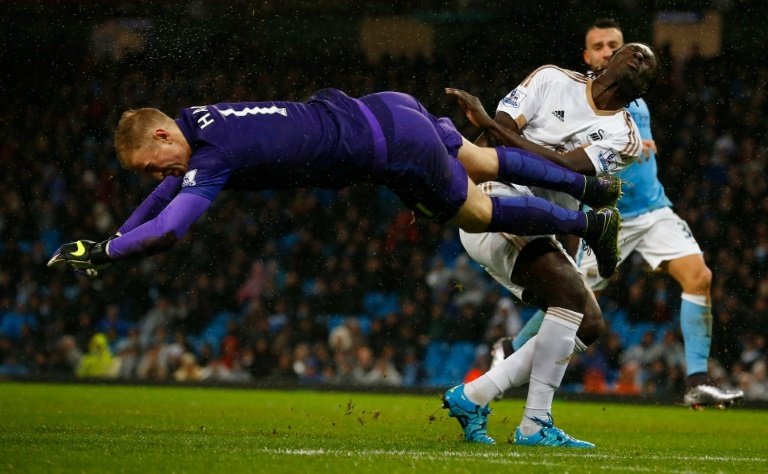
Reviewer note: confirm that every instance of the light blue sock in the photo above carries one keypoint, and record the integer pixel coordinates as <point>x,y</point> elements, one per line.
<point>530,329</point>
<point>696,325</point>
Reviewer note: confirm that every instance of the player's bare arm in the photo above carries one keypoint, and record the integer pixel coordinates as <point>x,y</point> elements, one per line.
<point>505,130</point>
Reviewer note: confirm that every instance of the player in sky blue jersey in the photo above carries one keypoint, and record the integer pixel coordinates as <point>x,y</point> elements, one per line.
<point>332,141</point>
<point>651,227</point>
<point>643,192</point>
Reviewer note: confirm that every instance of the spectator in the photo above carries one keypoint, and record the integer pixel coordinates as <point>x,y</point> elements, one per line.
<point>363,373</point>
<point>112,324</point>
<point>505,322</point>
<point>128,350</point>
<point>669,349</point>
<point>626,384</point>
<point>188,370</point>
<point>98,362</point>
<point>17,322</point>
<point>640,352</point>
<point>151,365</point>
<point>258,360</point>
<point>346,337</point>
<point>712,169</point>
<point>480,366</point>
<point>70,353</point>
<point>12,367</point>
<point>162,314</point>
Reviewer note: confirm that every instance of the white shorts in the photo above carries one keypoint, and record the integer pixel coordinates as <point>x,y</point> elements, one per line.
<point>497,252</point>
<point>659,236</point>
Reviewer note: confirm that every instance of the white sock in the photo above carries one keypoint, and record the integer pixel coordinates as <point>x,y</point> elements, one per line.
<point>513,371</point>
<point>481,390</point>
<point>553,348</point>
<point>700,300</point>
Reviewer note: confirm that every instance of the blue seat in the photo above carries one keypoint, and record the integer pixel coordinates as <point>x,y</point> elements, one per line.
<point>378,304</point>
<point>636,331</point>
<point>365,324</point>
<point>459,361</point>
<point>51,239</point>
<point>334,320</point>
<point>616,316</point>
<point>446,364</point>
<point>434,363</point>
<point>216,329</point>
<point>287,241</point>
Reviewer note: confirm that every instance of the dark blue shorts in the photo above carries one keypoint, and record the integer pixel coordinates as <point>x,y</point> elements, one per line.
<point>421,165</point>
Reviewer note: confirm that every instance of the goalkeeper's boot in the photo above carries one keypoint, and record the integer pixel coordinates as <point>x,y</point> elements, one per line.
<point>601,191</point>
<point>550,436</point>
<point>472,418</point>
<point>602,236</point>
<point>705,395</point>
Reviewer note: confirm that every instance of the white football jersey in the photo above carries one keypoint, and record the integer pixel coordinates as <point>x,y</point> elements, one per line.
<point>554,108</point>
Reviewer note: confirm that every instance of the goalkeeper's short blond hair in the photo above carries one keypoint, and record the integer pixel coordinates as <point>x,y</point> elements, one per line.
<point>134,131</point>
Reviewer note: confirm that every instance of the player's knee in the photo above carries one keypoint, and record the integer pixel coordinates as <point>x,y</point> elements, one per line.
<point>704,279</point>
<point>698,281</point>
<point>592,325</point>
<point>475,214</point>
<point>481,163</point>
<point>569,294</point>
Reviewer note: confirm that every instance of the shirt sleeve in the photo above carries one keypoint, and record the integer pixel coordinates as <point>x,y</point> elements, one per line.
<point>523,103</point>
<point>153,204</point>
<point>162,232</point>
<point>208,172</point>
<point>638,109</point>
<point>618,147</point>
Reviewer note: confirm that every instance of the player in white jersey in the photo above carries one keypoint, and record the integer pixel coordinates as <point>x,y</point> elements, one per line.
<point>588,129</point>
<point>554,108</point>
<point>663,239</point>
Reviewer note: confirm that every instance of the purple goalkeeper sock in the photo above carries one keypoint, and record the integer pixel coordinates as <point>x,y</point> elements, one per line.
<point>523,167</point>
<point>526,215</point>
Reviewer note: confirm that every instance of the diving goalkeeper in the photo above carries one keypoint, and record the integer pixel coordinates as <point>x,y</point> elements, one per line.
<point>333,141</point>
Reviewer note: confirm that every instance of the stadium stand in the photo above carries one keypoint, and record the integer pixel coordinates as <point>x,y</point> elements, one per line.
<point>318,285</point>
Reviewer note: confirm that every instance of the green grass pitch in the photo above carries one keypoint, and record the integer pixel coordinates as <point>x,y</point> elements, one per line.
<point>91,428</point>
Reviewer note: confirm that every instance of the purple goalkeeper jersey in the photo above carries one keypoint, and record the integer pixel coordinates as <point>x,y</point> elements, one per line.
<point>330,141</point>
<point>260,145</point>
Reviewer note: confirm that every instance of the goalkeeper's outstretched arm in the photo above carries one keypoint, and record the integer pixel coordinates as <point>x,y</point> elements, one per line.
<point>154,236</point>
<point>157,200</point>
<point>162,232</point>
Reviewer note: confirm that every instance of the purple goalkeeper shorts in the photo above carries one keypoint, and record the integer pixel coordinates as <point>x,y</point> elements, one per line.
<point>421,166</point>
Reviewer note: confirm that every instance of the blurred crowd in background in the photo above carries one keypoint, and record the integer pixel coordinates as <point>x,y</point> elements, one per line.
<point>343,287</point>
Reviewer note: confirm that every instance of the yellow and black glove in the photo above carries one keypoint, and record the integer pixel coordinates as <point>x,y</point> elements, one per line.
<point>85,255</point>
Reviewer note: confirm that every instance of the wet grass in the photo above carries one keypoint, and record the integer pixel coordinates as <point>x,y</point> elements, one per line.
<point>91,428</point>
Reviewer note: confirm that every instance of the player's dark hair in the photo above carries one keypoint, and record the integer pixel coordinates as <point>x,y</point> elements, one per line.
<point>655,78</point>
<point>604,23</point>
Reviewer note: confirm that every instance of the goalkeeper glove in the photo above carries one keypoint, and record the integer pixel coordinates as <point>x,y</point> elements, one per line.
<point>83,255</point>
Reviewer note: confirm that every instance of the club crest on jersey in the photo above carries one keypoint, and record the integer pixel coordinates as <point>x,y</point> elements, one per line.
<point>608,161</point>
<point>189,179</point>
<point>596,136</point>
<point>514,98</point>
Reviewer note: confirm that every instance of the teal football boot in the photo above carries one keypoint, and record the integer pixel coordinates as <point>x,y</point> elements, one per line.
<point>472,418</point>
<point>549,436</point>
